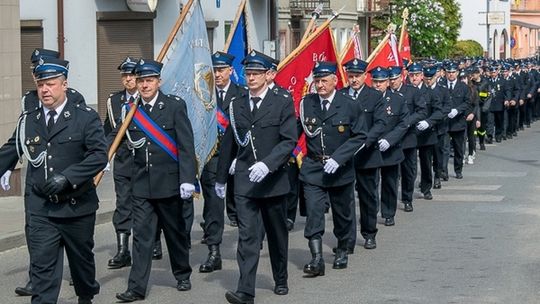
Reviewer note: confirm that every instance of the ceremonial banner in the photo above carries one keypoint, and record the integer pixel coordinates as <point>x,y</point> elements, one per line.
<point>237,44</point>
<point>353,49</point>
<point>297,78</point>
<point>405,51</point>
<point>187,73</point>
<point>388,56</point>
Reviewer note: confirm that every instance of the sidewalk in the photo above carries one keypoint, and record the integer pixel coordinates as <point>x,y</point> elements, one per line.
<point>12,215</point>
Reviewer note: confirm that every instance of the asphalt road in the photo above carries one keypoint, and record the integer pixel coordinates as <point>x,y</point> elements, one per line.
<point>478,241</point>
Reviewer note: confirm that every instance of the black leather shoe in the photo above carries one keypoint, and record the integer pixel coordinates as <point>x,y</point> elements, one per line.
<point>123,256</point>
<point>315,267</point>
<point>25,291</point>
<point>213,262</point>
<point>370,243</point>
<point>234,223</point>
<point>85,300</point>
<point>428,195</point>
<point>489,140</point>
<point>514,134</point>
<point>157,254</point>
<point>445,177</point>
<point>341,260</point>
<point>238,298</point>
<point>290,225</point>
<point>281,290</point>
<point>482,146</point>
<point>407,207</point>
<point>437,183</point>
<point>459,175</point>
<point>509,136</point>
<point>183,285</point>
<point>389,221</point>
<point>129,296</point>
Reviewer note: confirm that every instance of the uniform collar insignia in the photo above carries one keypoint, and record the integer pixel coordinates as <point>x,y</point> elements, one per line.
<point>161,105</point>
<point>67,114</point>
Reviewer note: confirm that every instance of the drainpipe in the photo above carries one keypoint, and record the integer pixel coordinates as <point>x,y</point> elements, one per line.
<point>60,23</point>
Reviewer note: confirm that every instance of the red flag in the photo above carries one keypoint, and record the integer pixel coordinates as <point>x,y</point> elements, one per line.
<point>388,56</point>
<point>405,51</point>
<point>296,75</point>
<point>352,50</point>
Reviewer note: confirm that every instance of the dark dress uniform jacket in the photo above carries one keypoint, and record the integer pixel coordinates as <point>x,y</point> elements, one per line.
<point>76,148</point>
<point>397,116</point>
<point>434,117</point>
<point>416,105</point>
<point>500,92</point>
<point>161,176</point>
<point>459,99</point>
<point>123,160</point>
<point>371,104</point>
<point>343,130</point>
<point>233,92</point>
<point>444,96</point>
<point>274,134</point>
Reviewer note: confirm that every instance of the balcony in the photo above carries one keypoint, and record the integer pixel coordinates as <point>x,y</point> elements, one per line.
<point>306,7</point>
<point>373,7</point>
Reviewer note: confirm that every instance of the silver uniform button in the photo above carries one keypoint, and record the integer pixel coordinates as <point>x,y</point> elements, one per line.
<point>48,144</point>
<point>74,187</point>
<point>49,157</point>
<point>51,169</point>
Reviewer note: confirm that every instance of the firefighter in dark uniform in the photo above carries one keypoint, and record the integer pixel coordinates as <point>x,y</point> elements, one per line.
<point>482,87</point>
<point>29,101</point>
<point>500,99</point>
<point>460,106</point>
<point>439,166</point>
<point>123,164</point>
<point>427,129</point>
<point>369,159</point>
<point>65,146</point>
<point>167,149</point>
<point>389,143</point>
<point>214,205</point>
<point>417,112</point>
<point>261,136</point>
<point>512,109</point>
<point>334,128</point>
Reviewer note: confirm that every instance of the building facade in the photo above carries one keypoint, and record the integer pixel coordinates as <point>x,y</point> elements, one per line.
<point>487,22</point>
<point>525,28</point>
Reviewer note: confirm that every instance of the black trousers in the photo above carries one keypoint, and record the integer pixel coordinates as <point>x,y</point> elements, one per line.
<point>122,214</point>
<point>458,143</point>
<point>408,174</point>
<point>512,120</point>
<point>522,116</point>
<point>48,238</point>
<point>213,210</point>
<point>146,213</point>
<point>529,108</point>
<point>229,199</point>
<point>438,155</point>
<point>340,201</point>
<point>499,123</point>
<point>471,138</point>
<point>292,196</point>
<point>425,155</point>
<point>366,187</point>
<point>389,190</point>
<point>273,213</point>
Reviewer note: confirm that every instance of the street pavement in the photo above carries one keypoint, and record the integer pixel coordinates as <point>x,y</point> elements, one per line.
<point>477,241</point>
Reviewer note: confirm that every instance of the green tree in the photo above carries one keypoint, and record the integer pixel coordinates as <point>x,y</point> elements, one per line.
<point>463,48</point>
<point>433,25</point>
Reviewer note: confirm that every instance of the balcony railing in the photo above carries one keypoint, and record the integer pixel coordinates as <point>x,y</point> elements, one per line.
<point>306,7</point>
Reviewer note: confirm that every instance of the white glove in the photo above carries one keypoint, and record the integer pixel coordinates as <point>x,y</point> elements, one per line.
<point>383,145</point>
<point>5,180</point>
<point>220,190</point>
<point>108,167</point>
<point>452,113</point>
<point>258,171</point>
<point>422,125</point>
<point>186,190</point>
<point>330,166</point>
<point>232,167</point>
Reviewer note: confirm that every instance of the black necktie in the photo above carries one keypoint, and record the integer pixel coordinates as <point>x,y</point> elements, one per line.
<point>221,94</point>
<point>254,100</point>
<point>50,122</point>
<point>325,106</point>
<point>355,94</point>
<point>148,108</point>
<point>451,86</point>
<point>131,99</point>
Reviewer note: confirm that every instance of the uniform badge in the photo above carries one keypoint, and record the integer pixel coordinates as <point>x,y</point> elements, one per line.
<point>341,129</point>
<point>67,114</point>
<point>38,116</point>
<point>389,110</point>
<point>310,127</point>
<point>32,149</point>
<point>313,120</point>
<point>36,139</point>
<point>161,105</point>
